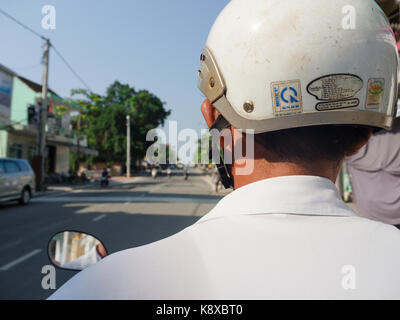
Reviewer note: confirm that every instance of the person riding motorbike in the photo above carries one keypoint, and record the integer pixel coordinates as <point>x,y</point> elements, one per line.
<point>296,78</point>
<point>104,178</point>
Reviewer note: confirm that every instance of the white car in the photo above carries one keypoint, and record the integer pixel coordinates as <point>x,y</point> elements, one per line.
<point>17,180</point>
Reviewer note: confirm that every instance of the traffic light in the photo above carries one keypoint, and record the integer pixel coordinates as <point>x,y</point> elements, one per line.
<point>33,115</point>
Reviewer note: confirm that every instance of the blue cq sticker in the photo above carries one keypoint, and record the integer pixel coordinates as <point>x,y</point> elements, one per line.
<point>286,97</point>
<point>294,96</point>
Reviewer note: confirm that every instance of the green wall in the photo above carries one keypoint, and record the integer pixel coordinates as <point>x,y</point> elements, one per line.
<point>22,96</point>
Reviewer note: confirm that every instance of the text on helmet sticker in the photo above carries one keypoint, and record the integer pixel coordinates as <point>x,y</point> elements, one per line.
<point>335,87</point>
<point>334,105</point>
<point>375,92</point>
<point>286,97</point>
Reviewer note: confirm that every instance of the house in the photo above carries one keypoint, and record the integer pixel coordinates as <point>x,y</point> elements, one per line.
<point>20,99</point>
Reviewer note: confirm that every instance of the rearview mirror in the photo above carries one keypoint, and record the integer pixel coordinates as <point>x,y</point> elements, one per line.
<point>72,250</point>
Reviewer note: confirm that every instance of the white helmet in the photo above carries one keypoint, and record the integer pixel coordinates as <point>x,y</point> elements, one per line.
<point>278,64</point>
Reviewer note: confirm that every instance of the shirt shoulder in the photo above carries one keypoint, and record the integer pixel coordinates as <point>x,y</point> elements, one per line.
<point>169,268</point>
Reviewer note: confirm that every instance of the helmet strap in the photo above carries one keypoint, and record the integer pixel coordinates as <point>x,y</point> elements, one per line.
<point>226,179</point>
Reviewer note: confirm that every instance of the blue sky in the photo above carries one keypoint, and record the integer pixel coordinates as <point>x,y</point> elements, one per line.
<point>150,44</point>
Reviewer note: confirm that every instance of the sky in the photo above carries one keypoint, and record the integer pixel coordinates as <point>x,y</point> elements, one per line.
<point>148,44</point>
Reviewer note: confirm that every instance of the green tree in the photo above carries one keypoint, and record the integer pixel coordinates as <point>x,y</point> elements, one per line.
<point>104,120</point>
<point>203,149</point>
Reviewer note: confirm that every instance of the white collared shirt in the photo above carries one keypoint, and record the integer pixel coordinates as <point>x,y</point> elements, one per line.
<point>281,238</point>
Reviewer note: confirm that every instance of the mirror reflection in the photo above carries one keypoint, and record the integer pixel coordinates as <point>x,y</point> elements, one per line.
<point>75,250</point>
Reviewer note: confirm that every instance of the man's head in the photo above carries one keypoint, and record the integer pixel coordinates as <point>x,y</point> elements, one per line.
<point>313,150</point>
<point>312,79</point>
<point>315,144</point>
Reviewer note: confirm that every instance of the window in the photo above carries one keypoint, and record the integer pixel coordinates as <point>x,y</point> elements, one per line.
<point>16,151</point>
<point>24,166</point>
<point>1,167</point>
<point>11,167</point>
<point>31,153</point>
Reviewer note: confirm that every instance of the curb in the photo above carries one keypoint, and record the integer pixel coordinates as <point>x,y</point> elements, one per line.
<point>39,194</point>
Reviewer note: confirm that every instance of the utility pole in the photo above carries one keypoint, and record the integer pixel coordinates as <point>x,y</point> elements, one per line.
<point>43,116</point>
<point>128,146</point>
<point>78,138</point>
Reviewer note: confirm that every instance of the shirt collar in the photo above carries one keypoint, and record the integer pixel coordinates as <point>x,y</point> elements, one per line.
<point>299,195</point>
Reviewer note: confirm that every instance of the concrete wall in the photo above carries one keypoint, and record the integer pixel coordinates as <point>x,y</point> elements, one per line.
<point>3,143</point>
<point>62,159</point>
<point>62,152</point>
<point>28,143</point>
<point>114,170</point>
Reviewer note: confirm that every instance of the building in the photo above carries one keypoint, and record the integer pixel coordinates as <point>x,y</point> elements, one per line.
<point>20,99</point>
<point>6,86</point>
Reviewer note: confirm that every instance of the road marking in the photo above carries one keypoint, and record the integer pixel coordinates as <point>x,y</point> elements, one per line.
<point>141,199</point>
<point>20,260</point>
<point>99,218</point>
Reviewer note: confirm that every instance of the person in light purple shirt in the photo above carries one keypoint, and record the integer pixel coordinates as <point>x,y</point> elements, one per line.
<point>375,177</point>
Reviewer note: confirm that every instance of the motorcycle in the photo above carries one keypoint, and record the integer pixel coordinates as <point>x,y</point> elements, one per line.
<point>104,181</point>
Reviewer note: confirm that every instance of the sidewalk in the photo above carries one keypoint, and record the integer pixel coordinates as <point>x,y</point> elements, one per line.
<point>60,189</point>
<point>54,189</point>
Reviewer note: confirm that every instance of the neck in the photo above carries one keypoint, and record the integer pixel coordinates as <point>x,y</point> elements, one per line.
<point>266,170</point>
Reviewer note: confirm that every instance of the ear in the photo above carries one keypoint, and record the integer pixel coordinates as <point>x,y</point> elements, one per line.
<point>360,145</point>
<point>210,114</point>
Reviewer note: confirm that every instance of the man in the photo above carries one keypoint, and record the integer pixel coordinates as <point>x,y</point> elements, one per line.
<point>296,74</point>
<point>216,179</point>
<point>375,169</point>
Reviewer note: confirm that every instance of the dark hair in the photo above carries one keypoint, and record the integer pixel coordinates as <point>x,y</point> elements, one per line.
<point>312,144</point>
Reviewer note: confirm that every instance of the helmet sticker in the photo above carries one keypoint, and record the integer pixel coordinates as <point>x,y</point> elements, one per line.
<point>375,92</point>
<point>334,105</point>
<point>286,97</point>
<point>335,87</point>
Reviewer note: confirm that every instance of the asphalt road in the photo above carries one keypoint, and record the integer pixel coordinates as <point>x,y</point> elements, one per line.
<point>126,214</point>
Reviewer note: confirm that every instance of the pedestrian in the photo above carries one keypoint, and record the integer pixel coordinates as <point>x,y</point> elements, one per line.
<point>216,179</point>
<point>295,79</point>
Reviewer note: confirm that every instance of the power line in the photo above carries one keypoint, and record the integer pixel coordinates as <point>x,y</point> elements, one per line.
<point>44,38</point>
<point>70,68</point>
<point>22,25</point>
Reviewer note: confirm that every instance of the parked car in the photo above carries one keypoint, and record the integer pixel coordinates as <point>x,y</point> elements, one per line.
<point>17,180</point>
